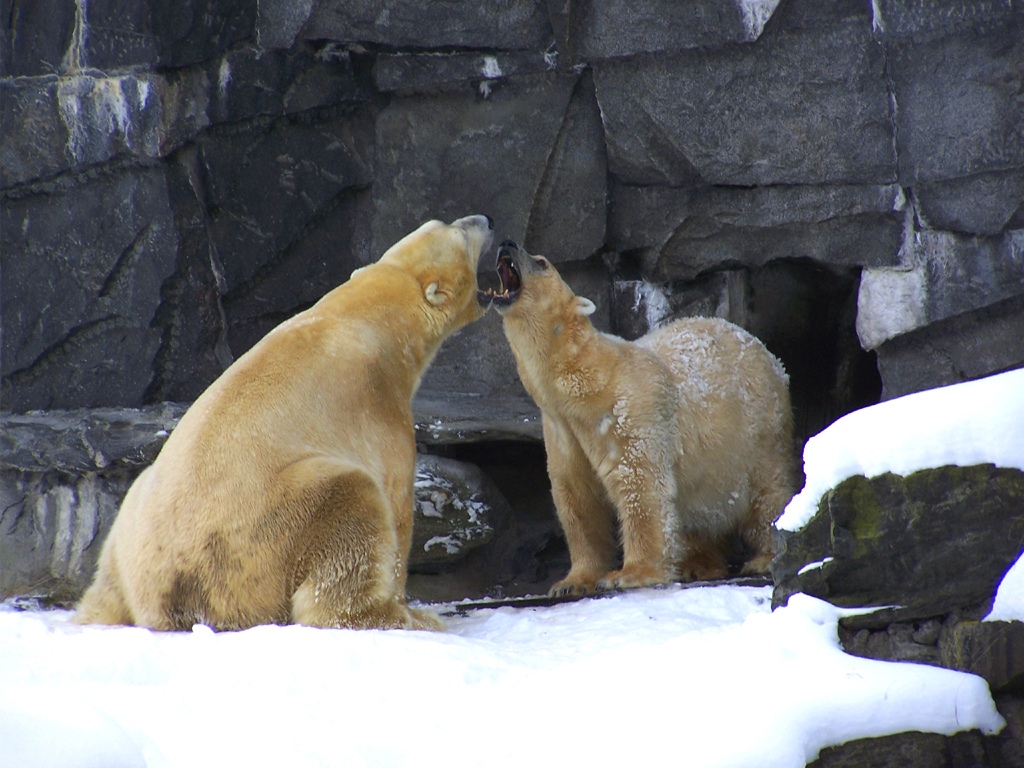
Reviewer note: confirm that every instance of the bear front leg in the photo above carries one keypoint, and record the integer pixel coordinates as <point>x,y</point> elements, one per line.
<point>586,514</point>
<point>644,494</point>
<point>402,498</point>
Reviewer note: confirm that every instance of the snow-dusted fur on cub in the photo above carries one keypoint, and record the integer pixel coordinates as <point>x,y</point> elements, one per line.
<point>285,494</point>
<point>680,442</point>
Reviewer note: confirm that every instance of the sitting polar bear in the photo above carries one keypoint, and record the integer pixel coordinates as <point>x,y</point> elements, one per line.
<point>682,439</point>
<point>285,494</point>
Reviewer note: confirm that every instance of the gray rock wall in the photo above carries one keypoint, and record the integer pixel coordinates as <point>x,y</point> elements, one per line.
<point>176,181</point>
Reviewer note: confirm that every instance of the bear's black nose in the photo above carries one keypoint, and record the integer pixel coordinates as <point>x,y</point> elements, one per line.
<point>509,244</point>
<point>490,221</point>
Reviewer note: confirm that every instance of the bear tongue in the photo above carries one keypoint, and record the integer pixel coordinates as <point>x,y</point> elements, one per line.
<point>509,275</point>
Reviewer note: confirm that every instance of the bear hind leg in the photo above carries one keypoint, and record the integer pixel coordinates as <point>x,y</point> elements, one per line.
<point>104,602</point>
<point>705,558</point>
<point>771,494</point>
<point>347,572</point>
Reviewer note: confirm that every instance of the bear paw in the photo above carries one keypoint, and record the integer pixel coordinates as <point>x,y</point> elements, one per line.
<point>422,619</point>
<point>633,577</point>
<point>700,570</point>
<point>574,584</point>
<point>757,565</point>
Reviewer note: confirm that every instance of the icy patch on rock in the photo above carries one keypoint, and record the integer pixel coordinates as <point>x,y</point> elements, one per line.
<point>491,69</point>
<point>890,302</point>
<point>103,114</point>
<point>451,544</point>
<point>756,14</point>
<point>652,301</point>
<point>444,494</point>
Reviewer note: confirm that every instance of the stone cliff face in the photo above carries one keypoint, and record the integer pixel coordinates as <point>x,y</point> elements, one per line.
<point>838,177</point>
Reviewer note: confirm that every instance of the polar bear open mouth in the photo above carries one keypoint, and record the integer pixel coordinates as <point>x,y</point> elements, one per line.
<point>511,281</point>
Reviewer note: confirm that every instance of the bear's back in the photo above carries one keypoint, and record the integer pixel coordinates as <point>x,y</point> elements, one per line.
<point>728,381</point>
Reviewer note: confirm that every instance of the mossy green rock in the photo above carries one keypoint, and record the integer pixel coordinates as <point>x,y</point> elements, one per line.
<point>933,542</point>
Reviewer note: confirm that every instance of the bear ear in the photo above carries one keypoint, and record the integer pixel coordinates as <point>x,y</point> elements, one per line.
<point>431,295</point>
<point>585,306</point>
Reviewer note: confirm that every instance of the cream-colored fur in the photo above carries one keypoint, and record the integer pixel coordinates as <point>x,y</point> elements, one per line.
<point>285,494</point>
<point>680,442</point>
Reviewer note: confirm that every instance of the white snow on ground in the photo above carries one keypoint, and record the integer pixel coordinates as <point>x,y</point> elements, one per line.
<point>705,676</point>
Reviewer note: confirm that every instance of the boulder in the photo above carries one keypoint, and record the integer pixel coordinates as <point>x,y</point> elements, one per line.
<point>887,543</point>
<point>248,82</point>
<point>569,208</point>
<point>681,233</point>
<point>53,525</point>
<point>86,440</point>
<point>111,34</point>
<point>923,21</point>
<point>279,22</point>
<point>445,418</point>
<point>900,641</point>
<point>193,347</point>
<point>439,156</point>
<point>425,73</point>
<point>917,750</point>
<point>984,204</point>
<point>821,116</point>
<point>62,478</point>
<point>993,650</point>
<point>960,348</point>
<point>33,41</point>
<point>286,197</point>
<point>602,30</point>
<point>439,160</point>
<point>61,125</point>
<point>511,25</point>
<point>943,275</point>
<point>68,35</point>
<point>458,509</point>
<point>950,91</point>
<point>83,274</point>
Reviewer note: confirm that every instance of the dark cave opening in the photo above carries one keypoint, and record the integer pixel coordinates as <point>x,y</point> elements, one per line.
<point>805,314</point>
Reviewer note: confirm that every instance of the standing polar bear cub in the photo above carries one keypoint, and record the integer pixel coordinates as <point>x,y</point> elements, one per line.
<point>285,494</point>
<point>680,442</point>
